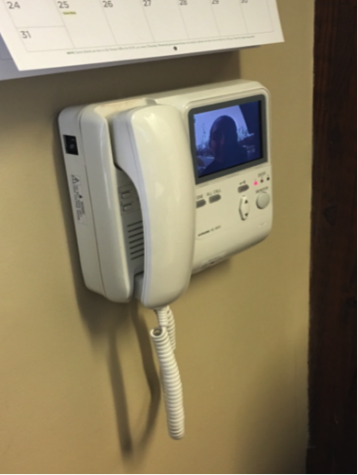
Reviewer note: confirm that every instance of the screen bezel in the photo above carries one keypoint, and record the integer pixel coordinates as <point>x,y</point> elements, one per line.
<point>261,98</point>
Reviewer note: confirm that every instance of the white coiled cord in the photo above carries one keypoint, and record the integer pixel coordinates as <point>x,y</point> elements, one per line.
<point>166,320</point>
<point>164,342</point>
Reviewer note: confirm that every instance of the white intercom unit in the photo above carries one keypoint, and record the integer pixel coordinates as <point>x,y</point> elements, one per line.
<point>165,185</point>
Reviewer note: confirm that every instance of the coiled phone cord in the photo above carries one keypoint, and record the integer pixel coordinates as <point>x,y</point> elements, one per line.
<point>164,342</point>
<point>166,319</point>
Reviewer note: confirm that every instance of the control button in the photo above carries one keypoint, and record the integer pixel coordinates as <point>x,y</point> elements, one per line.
<point>214,198</point>
<point>71,144</point>
<point>244,208</point>
<point>243,188</point>
<point>125,195</point>
<point>200,203</point>
<point>263,200</point>
<point>128,207</point>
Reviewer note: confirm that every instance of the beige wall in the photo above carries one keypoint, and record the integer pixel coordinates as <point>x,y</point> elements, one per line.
<point>78,387</point>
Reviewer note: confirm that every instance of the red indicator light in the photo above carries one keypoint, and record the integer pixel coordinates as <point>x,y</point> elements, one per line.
<point>256,183</point>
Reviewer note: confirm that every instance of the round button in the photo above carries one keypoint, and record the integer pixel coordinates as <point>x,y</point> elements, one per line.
<point>263,200</point>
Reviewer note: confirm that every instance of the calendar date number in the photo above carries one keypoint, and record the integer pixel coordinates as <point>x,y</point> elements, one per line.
<point>13,5</point>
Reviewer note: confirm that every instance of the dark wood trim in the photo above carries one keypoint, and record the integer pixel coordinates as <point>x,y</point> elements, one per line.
<point>333,295</point>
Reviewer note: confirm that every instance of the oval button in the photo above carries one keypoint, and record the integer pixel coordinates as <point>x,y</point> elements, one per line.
<point>244,208</point>
<point>263,200</point>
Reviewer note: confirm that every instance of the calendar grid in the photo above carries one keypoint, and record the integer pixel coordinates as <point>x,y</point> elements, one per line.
<point>146,19</point>
<point>63,23</point>
<point>211,5</point>
<point>128,29</point>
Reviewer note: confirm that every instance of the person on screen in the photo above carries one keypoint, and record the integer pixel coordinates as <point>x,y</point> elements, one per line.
<point>224,145</point>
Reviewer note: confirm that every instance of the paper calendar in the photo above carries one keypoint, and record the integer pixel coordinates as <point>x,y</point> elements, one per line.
<point>51,34</point>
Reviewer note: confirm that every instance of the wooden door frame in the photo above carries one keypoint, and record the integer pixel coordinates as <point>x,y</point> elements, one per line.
<point>333,296</point>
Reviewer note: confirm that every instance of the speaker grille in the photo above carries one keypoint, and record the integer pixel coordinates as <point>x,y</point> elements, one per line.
<point>135,240</point>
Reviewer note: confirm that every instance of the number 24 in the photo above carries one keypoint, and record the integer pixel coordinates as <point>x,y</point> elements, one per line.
<point>13,5</point>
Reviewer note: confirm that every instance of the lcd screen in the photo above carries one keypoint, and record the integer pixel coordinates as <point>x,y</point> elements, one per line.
<point>227,137</point>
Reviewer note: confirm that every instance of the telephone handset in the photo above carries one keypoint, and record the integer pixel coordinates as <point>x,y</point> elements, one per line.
<point>164,186</point>
<point>150,145</point>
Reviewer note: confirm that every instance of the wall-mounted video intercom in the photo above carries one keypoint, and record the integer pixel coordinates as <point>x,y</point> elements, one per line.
<point>165,185</point>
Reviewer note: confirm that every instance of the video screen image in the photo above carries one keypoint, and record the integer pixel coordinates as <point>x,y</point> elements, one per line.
<point>227,137</point>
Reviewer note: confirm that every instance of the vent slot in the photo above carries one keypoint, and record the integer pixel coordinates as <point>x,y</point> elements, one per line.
<point>135,240</point>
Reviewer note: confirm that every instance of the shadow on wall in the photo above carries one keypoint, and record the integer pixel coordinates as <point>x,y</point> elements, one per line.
<point>105,321</point>
<point>118,384</point>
